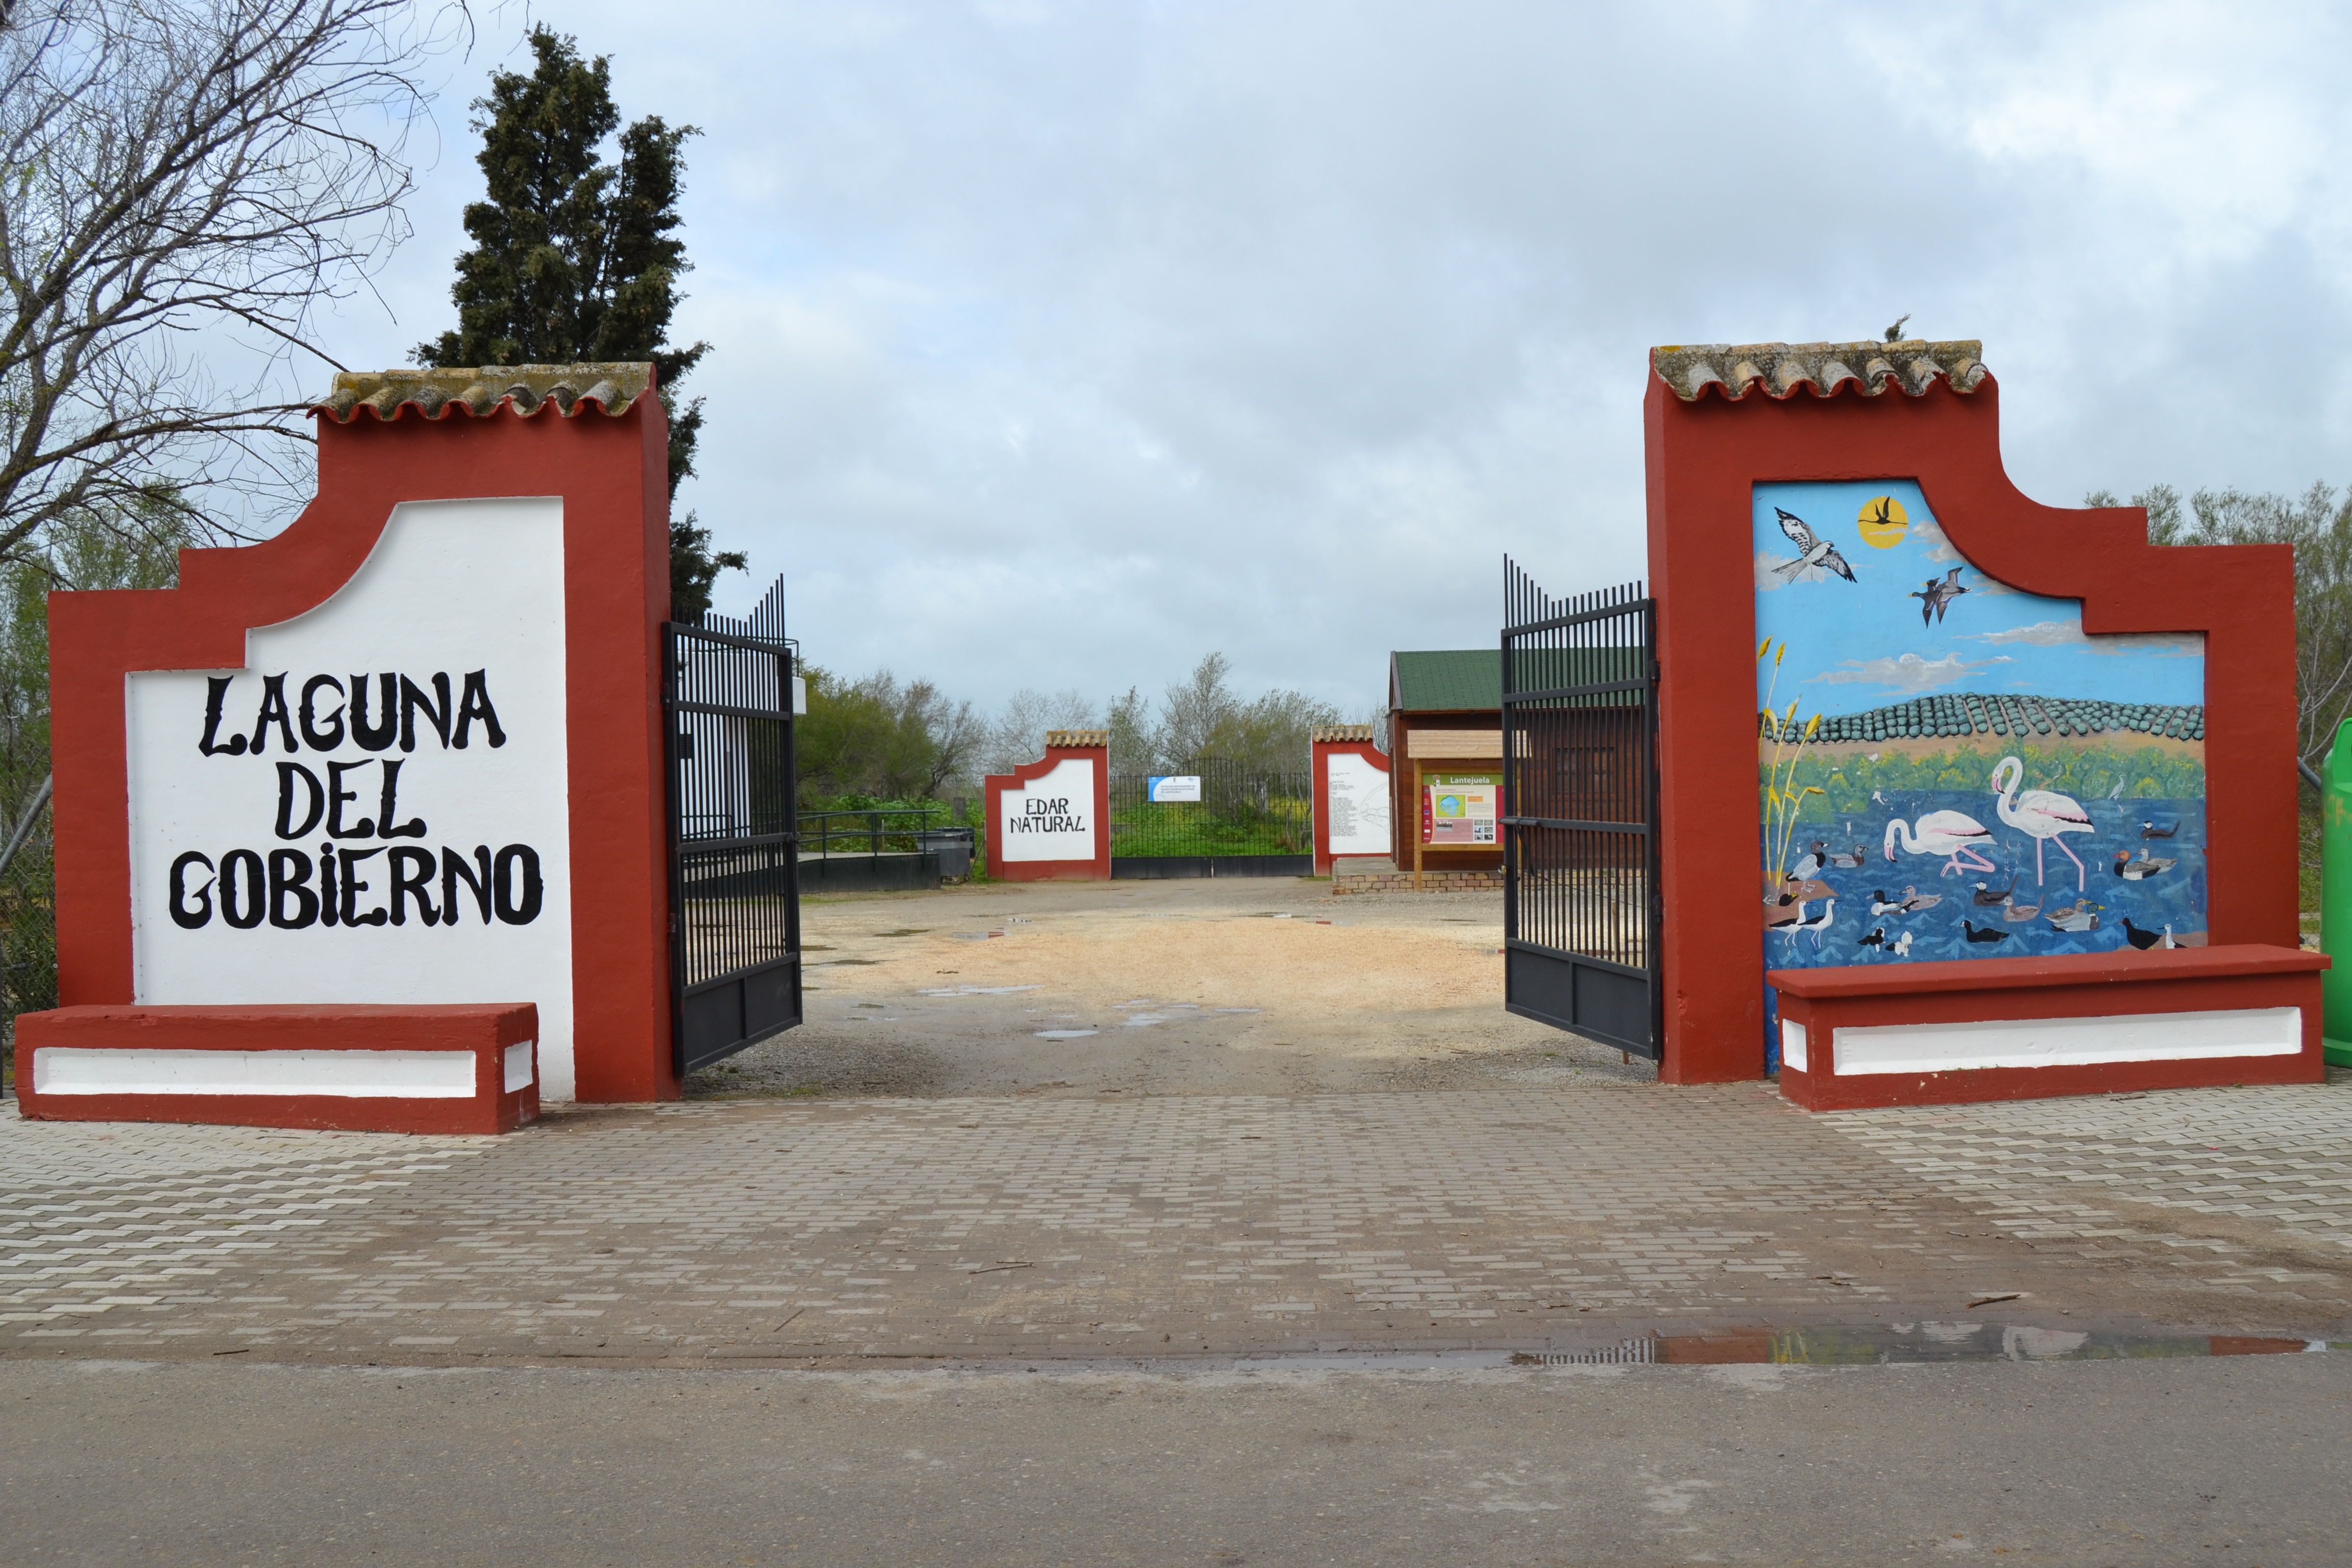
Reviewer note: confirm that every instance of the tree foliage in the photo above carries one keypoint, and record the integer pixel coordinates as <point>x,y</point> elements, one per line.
<point>177,171</point>
<point>878,739</point>
<point>80,552</point>
<point>577,259</point>
<point>2319,526</point>
<point>1202,717</point>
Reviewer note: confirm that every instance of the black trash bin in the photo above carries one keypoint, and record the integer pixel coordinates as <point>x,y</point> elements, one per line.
<point>952,844</point>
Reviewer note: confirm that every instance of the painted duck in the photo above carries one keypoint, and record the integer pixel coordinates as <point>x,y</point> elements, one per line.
<point>1986,935</point>
<point>2143,867</point>
<point>1903,945</point>
<point>2144,940</point>
<point>2075,917</point>
<point>1877,938</point>
<point>2013,911</point>
<point>2162,827</point>
<point>1986,897</point>
<point>1849,859</point>
<point>1912,901</point>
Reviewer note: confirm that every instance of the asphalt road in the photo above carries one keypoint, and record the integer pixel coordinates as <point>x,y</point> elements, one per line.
<point>2241,1461</point>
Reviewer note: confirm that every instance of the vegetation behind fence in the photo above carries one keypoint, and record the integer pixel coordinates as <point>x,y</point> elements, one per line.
<point>1242,811</point>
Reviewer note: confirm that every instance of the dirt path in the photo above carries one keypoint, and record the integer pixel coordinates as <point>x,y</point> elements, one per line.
<point>1181,987</point>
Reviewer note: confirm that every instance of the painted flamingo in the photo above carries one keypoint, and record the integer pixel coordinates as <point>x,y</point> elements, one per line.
<point>1949,833</point>
<point>2044,814</point>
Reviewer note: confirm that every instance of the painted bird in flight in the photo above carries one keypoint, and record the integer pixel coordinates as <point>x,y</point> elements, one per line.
<point>1935,596</point>
<point>1811,551</point>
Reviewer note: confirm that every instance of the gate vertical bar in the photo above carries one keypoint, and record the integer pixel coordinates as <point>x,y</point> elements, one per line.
<point>674,792</point>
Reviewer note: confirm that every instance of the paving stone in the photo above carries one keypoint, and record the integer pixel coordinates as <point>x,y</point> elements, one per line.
<point>1535,1218</point>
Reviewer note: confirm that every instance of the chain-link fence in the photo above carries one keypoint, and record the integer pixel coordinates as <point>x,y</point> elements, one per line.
<point>1241,811</point>
<point>29,922</point>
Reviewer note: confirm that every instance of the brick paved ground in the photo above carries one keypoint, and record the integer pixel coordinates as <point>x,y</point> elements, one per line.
<point>1535,1218</point>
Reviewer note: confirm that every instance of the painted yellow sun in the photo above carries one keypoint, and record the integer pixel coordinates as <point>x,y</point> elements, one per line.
<point>1884,523</point>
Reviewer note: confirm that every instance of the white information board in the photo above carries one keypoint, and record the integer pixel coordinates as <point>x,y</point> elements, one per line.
<point>374,810</point>
<point>1054,817</point>
<point>1356,805</point>
<point>1166,789</point>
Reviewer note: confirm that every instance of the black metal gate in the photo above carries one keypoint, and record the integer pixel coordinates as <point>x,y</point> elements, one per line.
<point>734,874</point>
<point>1580,812</point>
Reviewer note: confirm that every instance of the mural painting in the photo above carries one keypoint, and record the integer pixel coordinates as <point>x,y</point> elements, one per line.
<point>1949,768</point>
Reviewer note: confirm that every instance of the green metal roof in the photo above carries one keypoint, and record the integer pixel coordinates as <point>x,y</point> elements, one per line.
<point>1447,681</point>
<point>1454,681</point>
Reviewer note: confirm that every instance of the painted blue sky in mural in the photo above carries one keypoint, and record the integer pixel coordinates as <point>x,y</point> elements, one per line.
<point>1861,643</point>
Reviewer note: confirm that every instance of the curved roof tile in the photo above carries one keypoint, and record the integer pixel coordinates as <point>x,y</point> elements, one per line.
<point>1913,366</point>
<point>571,389</point>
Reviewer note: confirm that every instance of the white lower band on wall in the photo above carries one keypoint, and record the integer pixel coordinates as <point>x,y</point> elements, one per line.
<point>1793,1046</point>
<point>390,1075</point>
<point>2068,1042</point>
<point>518,1067</point>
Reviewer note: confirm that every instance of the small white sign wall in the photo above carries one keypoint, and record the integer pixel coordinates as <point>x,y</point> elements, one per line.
<point>1054,817</point>
<point>293,840</point>
<point>1356,798</point>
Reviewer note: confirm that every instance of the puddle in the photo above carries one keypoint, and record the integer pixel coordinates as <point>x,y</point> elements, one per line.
<point>1892,1343</point>
<point>975,990</point>
<point>1066,1034</point>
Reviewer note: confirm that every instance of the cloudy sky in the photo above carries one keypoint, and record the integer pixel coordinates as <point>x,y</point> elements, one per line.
<point>1057,344</point>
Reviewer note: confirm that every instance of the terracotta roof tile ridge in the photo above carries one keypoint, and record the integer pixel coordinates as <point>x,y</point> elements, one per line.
<point>1913,365</point>
<point>481,391</point>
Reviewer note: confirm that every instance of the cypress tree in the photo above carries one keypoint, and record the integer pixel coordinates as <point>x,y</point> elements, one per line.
<point>576,259</point>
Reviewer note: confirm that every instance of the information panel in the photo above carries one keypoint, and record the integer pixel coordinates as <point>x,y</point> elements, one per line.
<point>1460,809</point>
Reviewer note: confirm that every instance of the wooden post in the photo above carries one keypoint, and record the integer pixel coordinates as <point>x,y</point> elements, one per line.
<point>1418,828</point>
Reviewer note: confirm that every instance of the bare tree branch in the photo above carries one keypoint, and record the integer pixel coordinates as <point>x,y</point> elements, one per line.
<point>176,174</point>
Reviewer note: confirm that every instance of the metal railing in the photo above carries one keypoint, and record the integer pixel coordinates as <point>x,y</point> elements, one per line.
<point>885,830</point>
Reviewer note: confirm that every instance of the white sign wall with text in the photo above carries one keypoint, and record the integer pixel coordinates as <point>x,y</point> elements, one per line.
<point>375,809</point>
<point>1053,817</point>
<point>1356,797</point>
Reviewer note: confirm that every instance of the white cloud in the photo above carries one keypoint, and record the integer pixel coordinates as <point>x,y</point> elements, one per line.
<point>2070,634</point>
<point>1937,545</point>
<point>2041,633</point>
<point>1909,672</point>
<point>1768,575</point>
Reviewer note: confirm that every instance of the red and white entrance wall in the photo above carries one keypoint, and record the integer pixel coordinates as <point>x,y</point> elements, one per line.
<point>1049,821</point>
<point>343,789</point>
<point>1730,428</point>
<point>1352,795</point>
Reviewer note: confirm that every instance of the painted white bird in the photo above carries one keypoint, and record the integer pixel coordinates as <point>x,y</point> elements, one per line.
<point>1952,834</point>
<point>1903,945</point>
<point>1817,925</point>
<point>2044,814</point>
